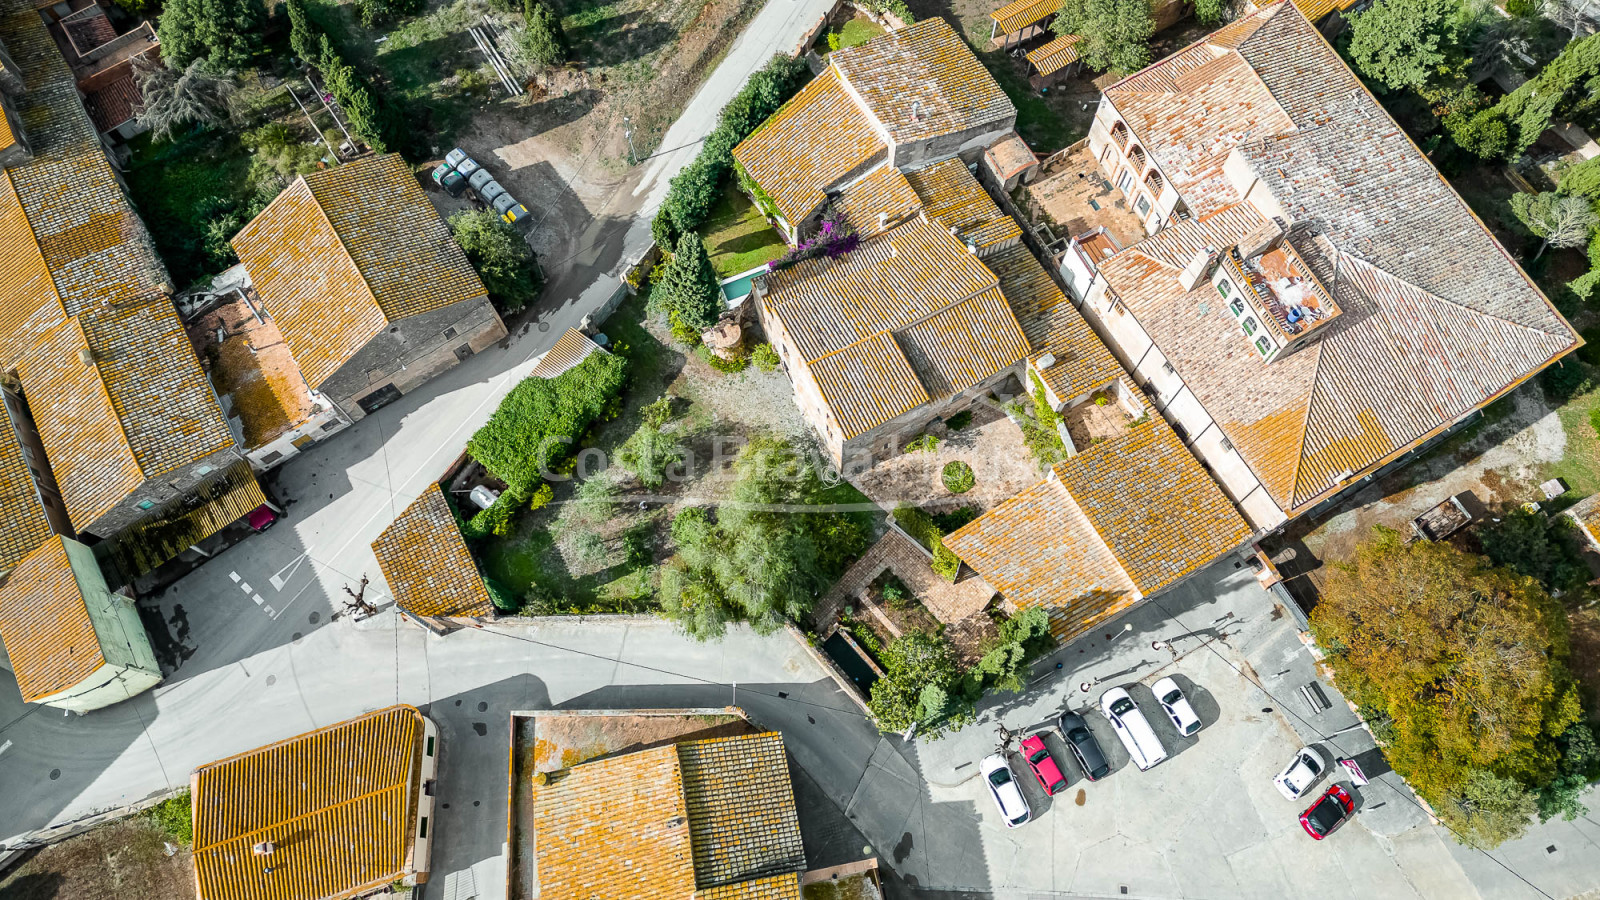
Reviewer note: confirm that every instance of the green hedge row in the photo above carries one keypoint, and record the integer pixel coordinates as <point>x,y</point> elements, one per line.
<point>694,190</point>
<point>347,86</point>
<point>920,525</point>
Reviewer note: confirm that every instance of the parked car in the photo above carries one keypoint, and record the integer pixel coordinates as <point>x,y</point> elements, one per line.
<point>1301,773</point>
<point>1329,812</point>
<point>1043,765</point>
<point>1132,728</point>
<point>261,518</point>
<point>1171,698</point>
<point>1083,745</point>
<point>1004,789</point>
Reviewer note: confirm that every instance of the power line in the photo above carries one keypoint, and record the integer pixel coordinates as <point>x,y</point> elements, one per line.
<point>1328,739</point>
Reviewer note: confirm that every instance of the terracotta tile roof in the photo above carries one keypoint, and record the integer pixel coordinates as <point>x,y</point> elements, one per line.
<point>45,624</point>
<point>809,146</point>
<point>1586,513</point>
<point>1314,10</point>
<point>907,316</point>
<point>337,802</point>
<point>954,199</point>
<point>115,97</point>
<point>1019,14</point>
<point>1160,513</point>
<point>25,525</point>
<point>254,370</point>
<point>1424,287</point>
<point>345,251</point>
<point>1038,549</point>
<point>615,827</point>
<point>742,818</point>
<point>924,68</point>
<point>223,501</point>
<point>1011,156</point>
<point>776,887</point>
<point>72,246</point>
<point>1056,55</point>
<point>569,350</point>
<point>883,190</point>
<point>427,563</point>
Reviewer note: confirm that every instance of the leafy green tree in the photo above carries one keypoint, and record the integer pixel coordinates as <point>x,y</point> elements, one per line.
<point>225,33</point>
<point>1484,133</point>
<point>688,290</point>
<point>542,38</point>
<point>1580,765</point>
<point>1583,180</point>
<point>1116,33</point>
<point>195,95</point>
<point>1566,86</point>
<point>1558,220</point>
<point>1467,661</point>
<point>648,453</point>
<point>501,256</point>
<point>765,358</point>
<point>1004,664</point>
<point>1544,548</point>
<point>1404,43</point>
<point>921,676</point>
<point>1208,12</point>
<point>1488,810</point>
<point>537,423</point>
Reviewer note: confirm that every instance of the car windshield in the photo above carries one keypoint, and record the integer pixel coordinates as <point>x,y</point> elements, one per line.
<point>1311,764</point>
<point>1058,786</point>
<point>1100,772</point>
<point>1172,697</point>
<point>1039,757</point>
<point>1079,735</point>
<point>999,777</point>
<point>1020,819</point>
<point>1121,706</point>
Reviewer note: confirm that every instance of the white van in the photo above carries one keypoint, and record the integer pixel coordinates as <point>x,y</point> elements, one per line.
<point>1132,728</point>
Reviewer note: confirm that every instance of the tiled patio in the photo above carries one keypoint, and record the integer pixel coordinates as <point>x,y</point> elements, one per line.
<point>991,444</point>
<point>1078,198</point>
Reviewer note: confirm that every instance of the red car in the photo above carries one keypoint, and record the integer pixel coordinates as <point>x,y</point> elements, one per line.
<point>1328,813</point>
<point>1043,765</point>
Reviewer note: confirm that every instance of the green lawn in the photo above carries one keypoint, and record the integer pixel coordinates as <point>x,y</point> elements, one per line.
<point>737,237</point>
<point>853,33</point>
<point>181,187</point>
<point>1045,129</point>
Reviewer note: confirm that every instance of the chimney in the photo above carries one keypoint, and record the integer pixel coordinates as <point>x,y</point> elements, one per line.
<point>883,220</point>
<point>1198,268</point>
<point>1045,361</point>
<point>916,110</point>
<point>86,356</point>
<point>892,251</point>
<point>971,247</point>
<point>1262,238</point>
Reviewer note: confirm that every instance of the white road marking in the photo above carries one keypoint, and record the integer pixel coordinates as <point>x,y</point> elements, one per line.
<point>256,598</point>
<point>234,576</point>
<point>4,747</point>
<point>270,612</point>
<point>280,579</point>
<point>245,587</point>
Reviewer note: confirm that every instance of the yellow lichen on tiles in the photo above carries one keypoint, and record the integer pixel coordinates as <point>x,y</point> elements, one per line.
<point>1019,14</point>
<point>427,563</point>
<point>45,624</point>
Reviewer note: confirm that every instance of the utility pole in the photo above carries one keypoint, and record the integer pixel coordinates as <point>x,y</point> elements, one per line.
<point>627,132</point>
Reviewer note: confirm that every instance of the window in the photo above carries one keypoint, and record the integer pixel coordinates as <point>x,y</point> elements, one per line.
<point>1142,205</point>
<point>271,458</point>
<point>329,426</point>
<point>429,751</point>
<point>1249,325</point>
<point>1124,181</point>
<point>1237,307</point>
<point>1224,287</point>
<point>146,504</point>
<point>449,332</point>
<point>1169,369</point>
<point>1263,346</point>
<point>205,470</point>
<point>422,831</point>
<point>1227,445</point>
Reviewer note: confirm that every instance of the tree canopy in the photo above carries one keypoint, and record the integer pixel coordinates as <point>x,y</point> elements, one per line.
<point>503,259</point>
<point>920,683</point>
<point>535,426</point>
<point>1116,33</point>
<point>542,38</point>
<point>225,33</point>
<point>688,291</point>
<point>172,98</point>
<point>1558,220</point>
<point>1466,662</point>
<point>1403,43</point>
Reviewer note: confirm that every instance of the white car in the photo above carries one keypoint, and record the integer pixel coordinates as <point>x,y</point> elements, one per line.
<point>1128,721</point>
<point>1171,698</point>
<point>1301,773</point>
<point>1007,793</point>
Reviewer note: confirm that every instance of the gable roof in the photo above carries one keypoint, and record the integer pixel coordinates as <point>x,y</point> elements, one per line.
<point>1019,14</point>
<point>954,199</point>
<point>1437,318</point>
<point>922,80</point>
<point>664,821</point>
<point>26,525</point>
<point>45,624</point>
<point>343,252</point>
<point>571,348</point>
<point>337,803</point>
<point>809,146</point>
<point>73,250</point>
<point>427,563</point>
<point>907,316</point>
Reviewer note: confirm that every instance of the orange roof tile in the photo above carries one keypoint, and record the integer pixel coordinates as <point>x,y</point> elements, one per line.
<point>253,367</point>
<point>815,141</point>
<point>954,199</point>
<point>337,803</point>
<point>345,251</point>
<point>222,500</point>
<point>883,191</point>
<point>1011,156</point>
<point>569,350</point>
<point>1147,497</point>
<point>776,887</point>
<point>1019,14</point>
<point>742,818</point>
<point>1316,9</point>
<point>921,81</point>
<point>45,624</point>
<point>868,383</point>
<point>427,563</point>
<point>26,525</point>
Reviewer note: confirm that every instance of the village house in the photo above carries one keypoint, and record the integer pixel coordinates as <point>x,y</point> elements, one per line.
<point>428,567</point>
<point>370,292</point>
<point>110,426</point>
<point>1314,303</point>
<point>101,44</point>
<point>338,812</point>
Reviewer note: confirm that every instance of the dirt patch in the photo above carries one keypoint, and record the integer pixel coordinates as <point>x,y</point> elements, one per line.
<point>1095,421</point>
<point>991,444</point>
<point>1585,661</point>
<point>118,861</point>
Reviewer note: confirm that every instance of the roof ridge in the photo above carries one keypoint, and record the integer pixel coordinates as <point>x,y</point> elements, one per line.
<point>1204,39</point>
<point>1435,296</point>
<point>55,289</point>
<point>1094,526</point>
<point>305,815</point>
<point>100,382</point>
<point>300,737</point>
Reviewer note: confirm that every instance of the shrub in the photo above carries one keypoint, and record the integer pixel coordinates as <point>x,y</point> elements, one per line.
<point>376,12</point>
<point>636,549</point>
<point>225,33</point>
<point>765,358</point>
<point>896,8</point>
<point>683,333</point>
<point>541,497</point>
<point>175,816</point>
<point>536,424</point>
<point>921,671</point>
<point>833,41</point>
<point>495,520</point>
<point>501,257</point>
<point>688,290</point>
<point>959,421</point>
<point>657,413</point>
<point>728,366</point>
<point>921,527</point>
<point>1566,379</point>
<point>954,520</point>
<point>1039,430</point>
<point>923,443</point>
<point>648,453</point>
<point>958,477</point>
<point>542,39</point>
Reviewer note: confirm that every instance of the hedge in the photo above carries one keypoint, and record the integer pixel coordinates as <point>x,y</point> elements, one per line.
<point>538,424</point>
<point>920,525</point>
<point>694,190</point>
